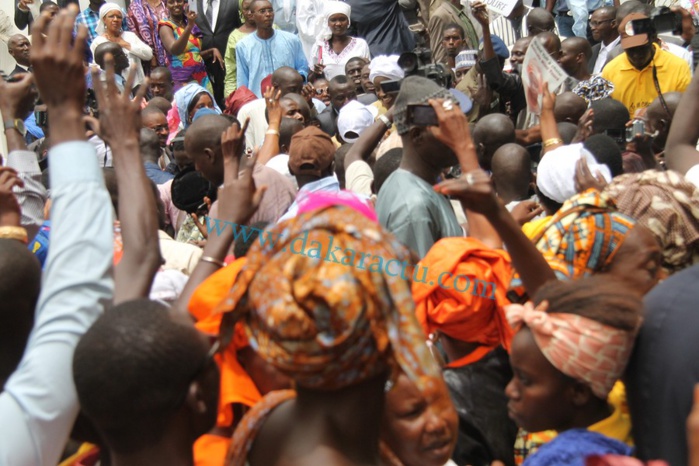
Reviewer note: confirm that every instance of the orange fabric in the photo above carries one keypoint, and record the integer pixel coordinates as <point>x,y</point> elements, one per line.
<point>236,384</point>
<point>210,450</point>
<point>460,290</point>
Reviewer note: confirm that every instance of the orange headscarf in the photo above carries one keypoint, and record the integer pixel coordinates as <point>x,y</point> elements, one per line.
<point>460,289</point>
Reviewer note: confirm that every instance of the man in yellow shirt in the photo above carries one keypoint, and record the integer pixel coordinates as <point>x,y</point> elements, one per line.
<point>632,72</point>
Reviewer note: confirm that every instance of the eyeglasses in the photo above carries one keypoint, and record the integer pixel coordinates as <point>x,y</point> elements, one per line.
<point>594,24</point>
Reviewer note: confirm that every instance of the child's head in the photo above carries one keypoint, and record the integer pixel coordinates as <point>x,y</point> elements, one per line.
<point>567,358</point>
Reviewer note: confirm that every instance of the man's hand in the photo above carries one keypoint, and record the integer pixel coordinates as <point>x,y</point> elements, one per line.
<point>584,179</point>
<point>10,212</point>
<point>480,12</point>
<point>17,98</point>
<point>217,58</point>
<point>120,117</point>
<point>57,60</point>
<point>549,100</point>
<point>274,110</point>
<point>525,211</point>
<point>475,191</point>
<point>239,198</point>
<point>232,144</point>
<point>454,132</point>
<point>308,91</point>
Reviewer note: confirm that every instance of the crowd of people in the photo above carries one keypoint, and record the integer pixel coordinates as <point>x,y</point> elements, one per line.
<point>366,235</point>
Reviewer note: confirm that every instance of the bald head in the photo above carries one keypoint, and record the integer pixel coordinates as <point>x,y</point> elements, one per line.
<point>149,144</point>
<point>20,281</point>
<point>18,46</point>
<point>491,132</point>
<point>569,107</point>
<point>575,53</point>
<point>511,166</point>
<point>539,20</point>
<point>287,80</point>
<point>551,42</point>
<point>203,144</point>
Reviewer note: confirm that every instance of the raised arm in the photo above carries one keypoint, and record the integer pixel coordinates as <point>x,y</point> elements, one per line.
<point>120,122</point>
<point>475,191</point>
<point>368,141</point>
<point>270,147</point>
<point>238,200</point>
<point>680,149</point>
<point>167,36</point>
<point>39,404</point>
<point>16,102</point>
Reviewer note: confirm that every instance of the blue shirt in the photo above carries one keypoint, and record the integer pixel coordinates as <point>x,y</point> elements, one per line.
<point>581,9</point>
<point>258,58</point>
<point>285,18</point>
<point>157,175</point>
<point>39,404</point>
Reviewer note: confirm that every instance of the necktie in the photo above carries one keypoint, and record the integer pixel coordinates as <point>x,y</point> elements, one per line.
<point>209,14</point>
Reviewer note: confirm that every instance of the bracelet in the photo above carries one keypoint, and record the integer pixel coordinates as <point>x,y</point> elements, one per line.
<point>552,142</point>
<point>16,233</point>
<point>384,119</point>
<point>273,131</point>
<point>213,260</point>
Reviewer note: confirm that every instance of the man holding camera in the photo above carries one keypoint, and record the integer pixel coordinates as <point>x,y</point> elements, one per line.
<point>644,70</point>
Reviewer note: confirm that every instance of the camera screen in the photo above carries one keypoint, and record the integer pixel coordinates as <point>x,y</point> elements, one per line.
<point>422,115</point>
<point>390,86</point>
<point>642,26</point>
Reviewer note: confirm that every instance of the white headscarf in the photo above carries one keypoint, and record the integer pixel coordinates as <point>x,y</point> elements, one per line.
<point>555,174</point>
<point>385,66</point>
<point>330,8</point>
<point>104,9</point>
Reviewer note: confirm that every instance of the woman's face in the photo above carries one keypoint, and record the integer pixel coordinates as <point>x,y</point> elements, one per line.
<point>387,99</point>
<point>202,100</point>
<point>247,12</point>
<point>538,392</point>
<point>420,431</point>
<point>112,22</point>
<point>175,7</point>
<point>338,24</point>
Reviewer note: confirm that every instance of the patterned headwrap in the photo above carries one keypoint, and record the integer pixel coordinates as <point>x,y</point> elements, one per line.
<point>320,306</point>
<point>461,293</point>
<point>581,348</point>
<point>584,235</point>
<point>666,204</point>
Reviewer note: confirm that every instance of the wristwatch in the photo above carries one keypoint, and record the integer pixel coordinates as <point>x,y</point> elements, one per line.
<point>384,119</point>
<point>15,124</point>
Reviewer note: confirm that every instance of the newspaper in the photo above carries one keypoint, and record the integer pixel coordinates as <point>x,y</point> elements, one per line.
<point>539,68</point>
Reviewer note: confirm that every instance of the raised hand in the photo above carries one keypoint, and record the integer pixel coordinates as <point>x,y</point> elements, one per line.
<point>584,179</point>
<point>480,12</point>
<point>17,98</point>
<point>274,110</point>
<point>454,132</point>
<point>475,191</point>
<point>525,211</point>
<point>549,101</point>
<point>10,212</point>
<point>120,116</point>
<point>239,198</point>
<point>57,60</point>
<point>584,126</point>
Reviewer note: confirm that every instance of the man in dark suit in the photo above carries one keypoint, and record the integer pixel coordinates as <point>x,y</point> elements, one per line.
<point>341,91</point>
<point>19,46</point>
<point>217,19</point>
<point>604,29</point>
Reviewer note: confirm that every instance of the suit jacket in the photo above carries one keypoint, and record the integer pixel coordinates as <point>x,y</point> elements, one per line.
<point>328,121</point>
<point>228,19</point>
<point>18,69</point>
<point>24,18</point>
<point>593,58</point>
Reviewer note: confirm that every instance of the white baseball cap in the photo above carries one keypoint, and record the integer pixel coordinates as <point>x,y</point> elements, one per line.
<point>354,118</point>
